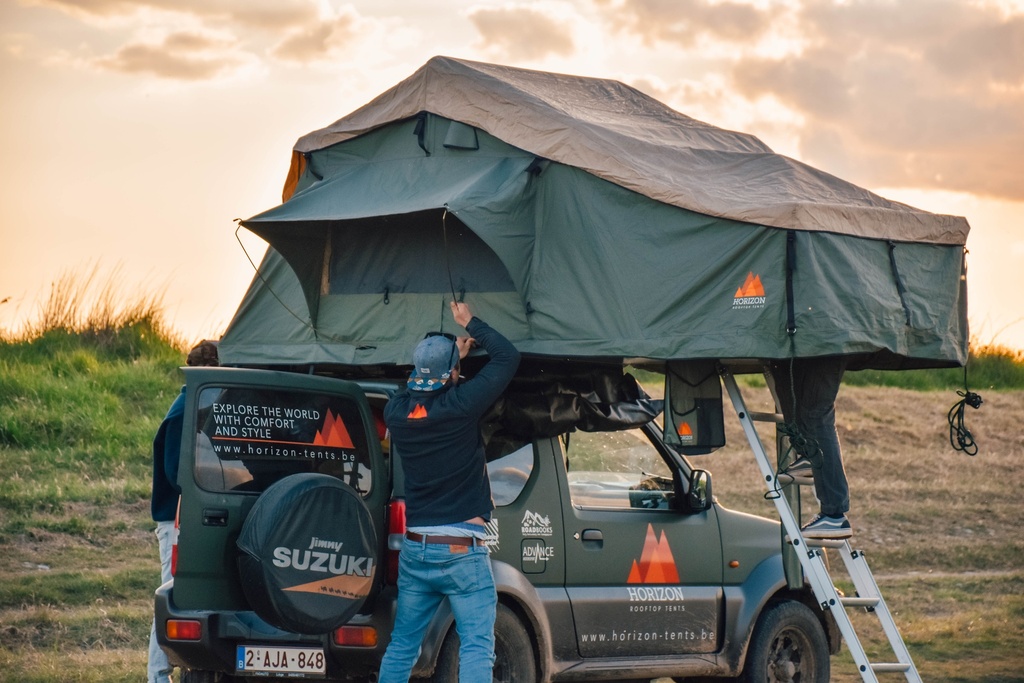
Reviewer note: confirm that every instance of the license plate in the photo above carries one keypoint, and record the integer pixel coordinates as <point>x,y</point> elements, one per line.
<point>280,660</point>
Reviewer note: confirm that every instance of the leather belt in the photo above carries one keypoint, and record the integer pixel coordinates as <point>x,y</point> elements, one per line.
<point>468,541</point>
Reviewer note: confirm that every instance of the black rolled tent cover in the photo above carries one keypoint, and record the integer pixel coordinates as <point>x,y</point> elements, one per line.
<point>586,220</point>
<point>308,573</point>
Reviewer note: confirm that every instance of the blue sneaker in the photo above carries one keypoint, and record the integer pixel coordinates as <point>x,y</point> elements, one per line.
<point>825,526</point>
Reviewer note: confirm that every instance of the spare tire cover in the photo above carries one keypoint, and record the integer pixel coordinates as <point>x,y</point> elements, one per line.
<point>309,553</point>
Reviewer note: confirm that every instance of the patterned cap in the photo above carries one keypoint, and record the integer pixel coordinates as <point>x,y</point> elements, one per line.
<point>433,361</point>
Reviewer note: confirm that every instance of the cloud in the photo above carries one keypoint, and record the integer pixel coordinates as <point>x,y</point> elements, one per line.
<point>270,15</point>
<point>295,30</point>
<point>684,22</point>
<point>521,32</point>
<point>318,40</point>
<point>181,56</point>
<point>898,94</point>
<point>882,92</point>
<point>92,8</point>
<point>262,14</point>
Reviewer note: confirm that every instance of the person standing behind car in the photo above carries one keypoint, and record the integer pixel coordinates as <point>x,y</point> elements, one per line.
<point>164,499</point>
<point>435,430</point>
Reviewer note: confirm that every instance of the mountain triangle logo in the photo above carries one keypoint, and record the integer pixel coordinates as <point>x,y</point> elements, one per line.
<point>333,433</point>
<point>656,565</point>
<point>750,294</point>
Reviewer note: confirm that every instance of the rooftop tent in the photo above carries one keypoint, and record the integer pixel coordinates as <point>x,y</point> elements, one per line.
<point>585,219</point>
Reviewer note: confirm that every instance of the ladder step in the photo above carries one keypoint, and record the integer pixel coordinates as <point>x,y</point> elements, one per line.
<point>824,542</point>
<point>895,667</point>
<point>766,417</point>
<point>785,479</point>
<point>859,602</point>
<point>820,542</point>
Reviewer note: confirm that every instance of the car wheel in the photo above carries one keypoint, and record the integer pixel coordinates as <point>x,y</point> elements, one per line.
<point>513,653</point>
<point>513,650</point>
<point>788,646</point>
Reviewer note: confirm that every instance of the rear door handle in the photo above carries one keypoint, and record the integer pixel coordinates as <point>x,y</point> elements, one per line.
<point>215,517</point>
<point>592,535</point>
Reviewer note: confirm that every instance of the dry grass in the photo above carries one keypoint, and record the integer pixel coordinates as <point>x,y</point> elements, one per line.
<point>97,308</point>
<point>916,504</point>
<point>941,530</point>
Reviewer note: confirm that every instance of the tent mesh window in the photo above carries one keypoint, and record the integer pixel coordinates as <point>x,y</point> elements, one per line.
<point>412,253</point>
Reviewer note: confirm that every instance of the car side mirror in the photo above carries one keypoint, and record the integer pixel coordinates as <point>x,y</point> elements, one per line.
<point>700,497</point>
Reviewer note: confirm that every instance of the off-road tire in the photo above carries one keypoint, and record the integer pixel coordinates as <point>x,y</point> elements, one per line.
<point>514,660</point>
<point>788,646</point>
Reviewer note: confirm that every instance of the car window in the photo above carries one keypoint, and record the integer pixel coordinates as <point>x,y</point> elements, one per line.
<point>248,438</point>
<point>509,474</point>
<point>621,470</point>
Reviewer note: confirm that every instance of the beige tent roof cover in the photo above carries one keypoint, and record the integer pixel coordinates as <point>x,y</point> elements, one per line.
<point>621,135</point>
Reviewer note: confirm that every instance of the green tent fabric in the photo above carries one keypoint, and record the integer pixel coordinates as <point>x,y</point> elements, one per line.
<point>584,219</point>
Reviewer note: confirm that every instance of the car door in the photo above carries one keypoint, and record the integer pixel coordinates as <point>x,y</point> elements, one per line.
<point>643,572</point>
<point>246,430</point>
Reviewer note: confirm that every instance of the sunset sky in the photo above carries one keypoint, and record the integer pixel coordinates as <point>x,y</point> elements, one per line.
<point>134,132</point>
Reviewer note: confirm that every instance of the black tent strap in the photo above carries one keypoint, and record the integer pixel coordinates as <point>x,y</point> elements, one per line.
<point>447,257</point>
<point>900,289</point>
<point>420,131</point>
<point>790,267</point>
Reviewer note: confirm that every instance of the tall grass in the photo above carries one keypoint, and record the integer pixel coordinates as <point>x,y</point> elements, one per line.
<point>87,382</point>
<point>82,392</point>
<point>82,313</point>
<point>989,366</point>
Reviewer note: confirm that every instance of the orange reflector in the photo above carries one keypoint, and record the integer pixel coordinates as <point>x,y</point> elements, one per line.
<point>356,636</point>
<point>181,629</point>
<point>734,563</point>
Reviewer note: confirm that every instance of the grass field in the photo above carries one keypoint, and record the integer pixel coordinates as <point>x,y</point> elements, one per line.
<point>941,530</point>
<point>78,561</point>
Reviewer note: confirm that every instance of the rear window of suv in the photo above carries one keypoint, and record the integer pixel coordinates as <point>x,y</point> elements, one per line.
<point>248,438</point>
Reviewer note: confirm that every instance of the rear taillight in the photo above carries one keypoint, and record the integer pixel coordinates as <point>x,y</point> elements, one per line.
<point>396,534</point>
<point>184,629</point>
<point>356,636</point>
<point>174,540</point>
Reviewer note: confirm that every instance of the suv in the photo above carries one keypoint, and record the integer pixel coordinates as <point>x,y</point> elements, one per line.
<point>611,557</point>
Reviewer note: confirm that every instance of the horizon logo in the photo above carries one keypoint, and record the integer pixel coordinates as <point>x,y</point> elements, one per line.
<point>333,433</point>
<point>685,433</point>
<point>656,564</point>
<point>750,294</point>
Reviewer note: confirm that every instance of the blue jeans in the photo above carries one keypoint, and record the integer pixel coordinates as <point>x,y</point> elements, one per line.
<point>158,669</point>
<point>427,573</point>
<point>810,385</point>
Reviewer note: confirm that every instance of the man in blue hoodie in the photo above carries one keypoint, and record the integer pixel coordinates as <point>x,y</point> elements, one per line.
<point>435,430</point>
<point>164,500</point>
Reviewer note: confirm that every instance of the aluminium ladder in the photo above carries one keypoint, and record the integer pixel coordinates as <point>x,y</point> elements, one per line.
<point>813,561</point>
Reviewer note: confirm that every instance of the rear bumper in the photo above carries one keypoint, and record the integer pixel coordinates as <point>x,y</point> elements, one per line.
<point>223,631</point>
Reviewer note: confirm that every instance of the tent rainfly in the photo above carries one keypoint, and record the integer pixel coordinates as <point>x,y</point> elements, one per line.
<point>585,219</point>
